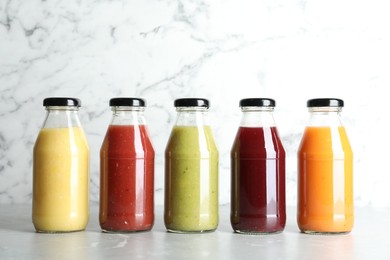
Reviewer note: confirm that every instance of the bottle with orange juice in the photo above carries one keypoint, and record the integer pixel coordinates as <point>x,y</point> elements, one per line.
<point>325,171</point>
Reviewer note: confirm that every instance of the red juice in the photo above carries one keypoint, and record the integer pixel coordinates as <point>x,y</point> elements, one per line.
<point>127,179</point>
<point>258,181</point>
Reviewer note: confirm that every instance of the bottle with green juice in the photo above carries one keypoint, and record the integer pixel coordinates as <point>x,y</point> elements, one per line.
<point>191,171</point>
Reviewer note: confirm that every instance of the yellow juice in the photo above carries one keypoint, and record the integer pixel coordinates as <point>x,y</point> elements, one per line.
<point>60,180</point>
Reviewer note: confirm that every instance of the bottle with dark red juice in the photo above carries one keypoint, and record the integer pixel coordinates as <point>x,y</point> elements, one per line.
<point>127,170</point>
<point>258,171</point>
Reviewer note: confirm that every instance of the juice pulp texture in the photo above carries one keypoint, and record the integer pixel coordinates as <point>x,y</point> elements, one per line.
<point>191,180</point>
<point>127,179</point>
<point>258,181</point>
<point>325,185</point>
<point>60,180</point>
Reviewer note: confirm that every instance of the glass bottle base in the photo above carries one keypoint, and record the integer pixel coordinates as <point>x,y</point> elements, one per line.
<point>57,231</point>
<point>124,231</point>
<point>246,232</point>
<point>190,231</point>
<point>310,232</point>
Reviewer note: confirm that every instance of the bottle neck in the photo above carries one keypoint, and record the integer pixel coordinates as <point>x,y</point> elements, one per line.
<point>61,117</point>
<point>128,115</point>
<point>325,116</point>
<point>192,116</point>
<point>257,117</point>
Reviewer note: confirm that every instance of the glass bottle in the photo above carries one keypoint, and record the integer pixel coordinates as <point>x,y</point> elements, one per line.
<point>191,170</point>
<point>258,171</point>
<point>60,199</point>
<point>325,165</point>
<point>127,170</point>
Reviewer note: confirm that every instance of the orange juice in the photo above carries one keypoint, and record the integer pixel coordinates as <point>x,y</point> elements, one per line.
<point>325,185</point>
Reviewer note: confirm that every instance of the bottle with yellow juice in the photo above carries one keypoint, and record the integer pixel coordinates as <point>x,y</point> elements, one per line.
<point>60,199</point>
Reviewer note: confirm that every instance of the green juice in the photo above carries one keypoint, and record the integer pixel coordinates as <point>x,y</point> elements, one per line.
<point>191,180</point>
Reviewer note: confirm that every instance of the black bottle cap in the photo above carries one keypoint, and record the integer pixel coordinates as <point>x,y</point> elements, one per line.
<point>191,102</point>
<point>127,102</point>
<point>61,102</point>
<point>325,102</point>
<point>257,102</point>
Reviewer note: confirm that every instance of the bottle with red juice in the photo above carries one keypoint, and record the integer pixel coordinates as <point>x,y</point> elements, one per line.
<point>258,171</point>
<point>127,170</point>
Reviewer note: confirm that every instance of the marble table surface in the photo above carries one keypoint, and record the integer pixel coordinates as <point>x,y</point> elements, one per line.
<point>18,240</point>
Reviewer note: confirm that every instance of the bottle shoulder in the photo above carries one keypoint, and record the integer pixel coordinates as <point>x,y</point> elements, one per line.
<point>191,140</point>
<point>322,140</point>
<point>261,142</point>
<point>60,139</point>
<point>61,119</point>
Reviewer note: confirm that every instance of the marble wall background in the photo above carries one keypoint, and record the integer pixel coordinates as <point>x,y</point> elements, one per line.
<point>224,50</point>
